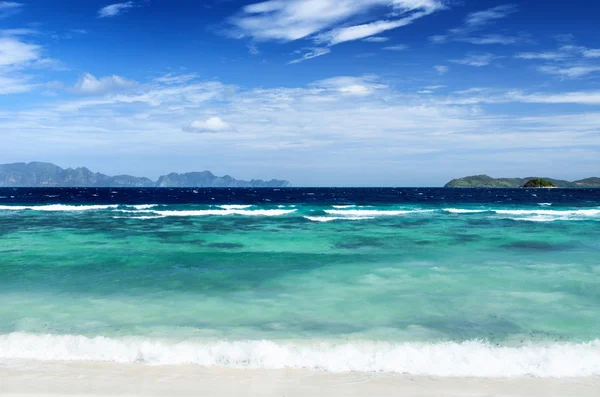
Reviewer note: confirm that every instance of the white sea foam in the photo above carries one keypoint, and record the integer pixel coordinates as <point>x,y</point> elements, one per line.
<point>373,213</point>
<point>472,359</point>
<point>550,215</point>
<point>586,212</point>
<point>223,212</point>
<point>343,206</point>
<point>234,207</point>
<point>544,204</point>
<point>143,206</point>
<point>337,218</point>
<point>56,207</point>
<point>463,211</point>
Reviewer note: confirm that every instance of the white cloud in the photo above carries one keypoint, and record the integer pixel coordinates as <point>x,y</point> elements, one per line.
<point>310,54</point>
<point>570,71</point>
<point>480,18</point>
<point>591,53</point>
<point>351,86</point>
<point>15,52</point>
<point>399,47</point>
<point>176,78</point>
<point>15,85</point>
<point>9,8</point>
<point>211,125</point>
<point>568,61</point>
<point>441,69</point>
<point>478,21</point>
<point>547,56</point>
<point>376,39</point>
<point>578,98</point>
<point>115,9</point>
<point>357,32</point>
<point>88,84</point>
<point>476,60</point>
<point>297,19</point>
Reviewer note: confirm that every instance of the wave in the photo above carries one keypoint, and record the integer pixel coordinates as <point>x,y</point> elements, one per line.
<point>56,207</point>
<point>373,213</point>
<point>467,359</point>
<point>224,212</point>
<point>463,211</point>
<point>234,207</point>
<point>586,213</point>
<point>337,218</point>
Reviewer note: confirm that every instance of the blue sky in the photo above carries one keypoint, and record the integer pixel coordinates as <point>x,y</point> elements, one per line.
<point>319,92</point>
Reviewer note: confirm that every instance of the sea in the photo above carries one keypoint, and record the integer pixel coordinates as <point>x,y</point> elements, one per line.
<point>434,282</point>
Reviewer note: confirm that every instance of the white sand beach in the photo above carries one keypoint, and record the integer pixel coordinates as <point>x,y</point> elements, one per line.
<point>49,379</point>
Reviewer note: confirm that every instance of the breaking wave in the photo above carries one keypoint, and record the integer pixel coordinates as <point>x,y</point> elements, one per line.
<point>472,358</point>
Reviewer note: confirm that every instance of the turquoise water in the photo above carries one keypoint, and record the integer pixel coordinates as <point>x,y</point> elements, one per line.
<point>417,288</point>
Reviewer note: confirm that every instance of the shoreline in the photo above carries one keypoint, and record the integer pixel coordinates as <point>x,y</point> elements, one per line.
<point>99,379</point>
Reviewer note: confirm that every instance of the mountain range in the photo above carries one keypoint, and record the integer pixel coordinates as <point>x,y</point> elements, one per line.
<point>489,182</point>
<point>38,174</point>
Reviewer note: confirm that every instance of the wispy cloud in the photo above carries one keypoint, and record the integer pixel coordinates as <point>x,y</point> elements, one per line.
<point>441,69</point>
<point>326,21</point>
<point>115,9</point>
<point>15,53</point>
<point>9,8</point>
<point>376,39</point>
<point>477,60</point>
<point>310,54</point>
<point>569,61</point>
<point>569,71</point>
<point>547,56</point>
<point>476,22</point>
<point>398,47</point>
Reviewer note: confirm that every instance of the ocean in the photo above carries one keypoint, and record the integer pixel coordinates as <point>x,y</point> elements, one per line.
<point>436,282</point>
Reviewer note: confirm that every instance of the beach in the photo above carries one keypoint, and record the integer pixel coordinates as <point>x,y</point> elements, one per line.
<point>74,379</point>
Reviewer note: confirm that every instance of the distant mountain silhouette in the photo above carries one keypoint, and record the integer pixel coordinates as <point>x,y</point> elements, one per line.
<point>36,174</point>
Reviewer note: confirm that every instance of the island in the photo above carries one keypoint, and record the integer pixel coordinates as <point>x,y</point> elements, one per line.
<point>38,174</point>
<point>539,183</point>
<point>485,181</point>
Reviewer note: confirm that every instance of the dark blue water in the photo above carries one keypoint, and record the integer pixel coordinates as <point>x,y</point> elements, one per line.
<point>313,196</point>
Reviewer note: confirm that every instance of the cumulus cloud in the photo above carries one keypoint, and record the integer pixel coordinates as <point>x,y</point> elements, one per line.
<point>320,19</point>
<point>88,84</point>
<point>210,125</point>
<point>115,9</point>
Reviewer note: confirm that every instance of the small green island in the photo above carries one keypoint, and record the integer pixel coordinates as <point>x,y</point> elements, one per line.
<point>485,181</point>
<point>539,183</point>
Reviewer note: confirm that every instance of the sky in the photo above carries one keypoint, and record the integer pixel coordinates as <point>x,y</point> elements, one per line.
<point>318,92</point>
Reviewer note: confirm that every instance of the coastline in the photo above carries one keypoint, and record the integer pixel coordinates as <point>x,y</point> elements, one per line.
<point>97,379</point>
